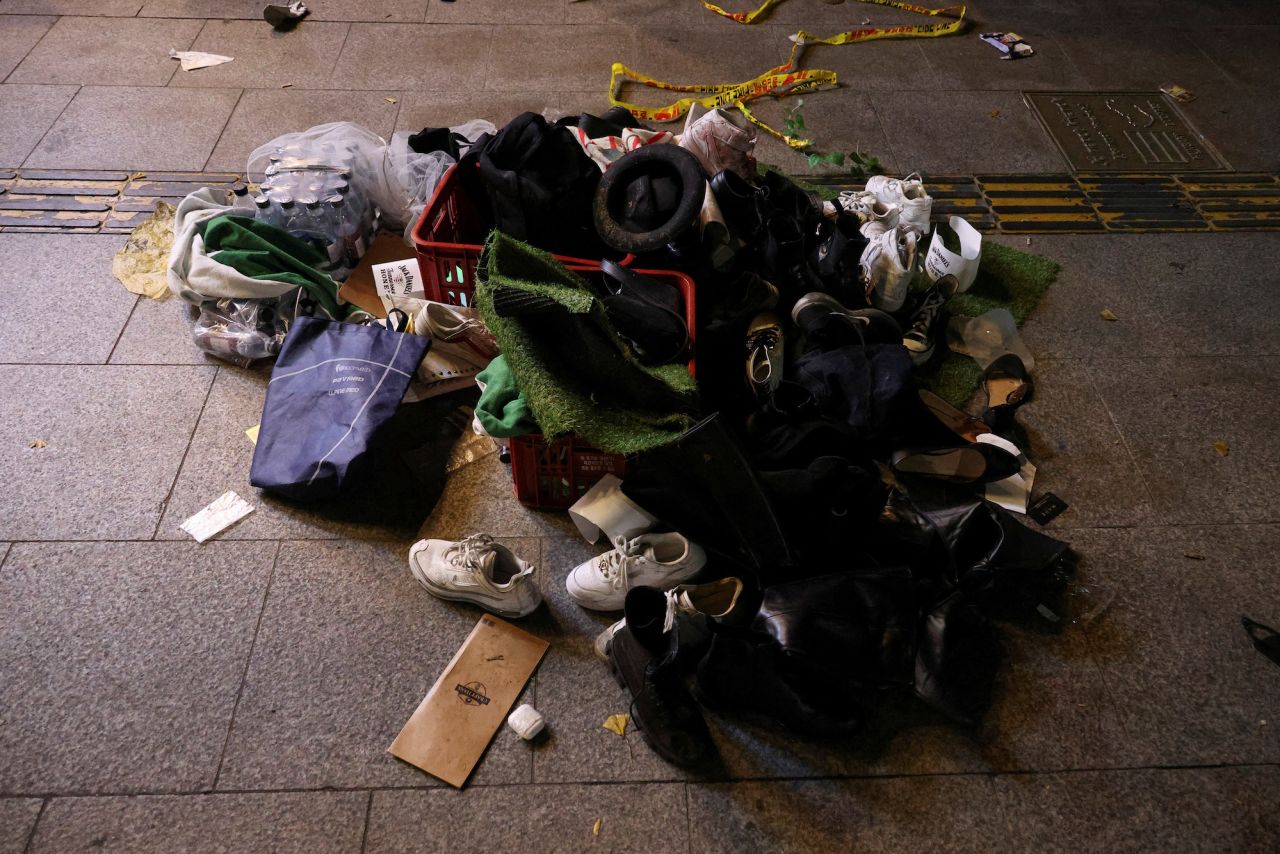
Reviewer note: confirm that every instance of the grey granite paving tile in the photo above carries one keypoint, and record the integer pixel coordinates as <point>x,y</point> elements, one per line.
<point>927,813</point>
<point>1171,411</point>
<point>1185,681</point>
<point>348,646</point>
<point>263,58</point>
<point>1241,121</point>
<point>1241,52</point>
<point>17,820</point>
<point>220,459</point>
<point>4,551</point>
<point>1203,809</point>
<point>419,110</point>
<point>136,128</point>
<point>88,50</point>
<point>278,821</point>
<point>576,692</point>
<point>552,819</point>
<point>26,113</point>
<point>18,34</point>
<point>158,333</point>
<point>115,437</point>
<point>967,62</point>
<point>962,132</point>
<point>1115,271</point>
<point>657,14</point>
<point>1137,57</point>
<point>498,12</point>
<point>444,58</point>
<point>121,661</point>
<point>677,55</point>
<point>264,114</point>
<point>112,8</point>
<point>35,263</point>
<point>1078,453</point>
<point>480,498</point>
<point>377,11</point>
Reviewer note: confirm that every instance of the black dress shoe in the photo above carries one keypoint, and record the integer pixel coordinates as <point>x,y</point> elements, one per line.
<point>1008,386</point>
<point>741,203</point>
<point>836,257</point>
<point>975,463</point>
<point>642,656</point>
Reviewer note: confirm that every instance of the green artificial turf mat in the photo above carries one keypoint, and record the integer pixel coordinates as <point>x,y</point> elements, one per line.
<point>1007,278</point>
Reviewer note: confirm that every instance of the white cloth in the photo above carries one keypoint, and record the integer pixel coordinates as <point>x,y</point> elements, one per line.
<point>605,509</point>
<point>605,150</point>
<point>195,276</point>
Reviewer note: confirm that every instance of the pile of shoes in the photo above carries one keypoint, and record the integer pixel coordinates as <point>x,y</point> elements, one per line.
<point>802,533</point>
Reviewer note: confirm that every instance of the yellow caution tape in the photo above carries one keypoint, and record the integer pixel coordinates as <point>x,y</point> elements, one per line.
<point>780,81</point>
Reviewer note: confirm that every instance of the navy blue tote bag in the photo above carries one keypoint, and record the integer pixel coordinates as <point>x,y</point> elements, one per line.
<point>333,386</point>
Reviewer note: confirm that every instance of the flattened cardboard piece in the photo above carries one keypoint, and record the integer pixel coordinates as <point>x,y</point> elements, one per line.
<point>458,718</point>
<point>359,289</point>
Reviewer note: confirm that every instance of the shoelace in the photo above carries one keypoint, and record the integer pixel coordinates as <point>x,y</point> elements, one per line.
<point>468,551</point>
<point>615,566</point>
<point>927,311</point>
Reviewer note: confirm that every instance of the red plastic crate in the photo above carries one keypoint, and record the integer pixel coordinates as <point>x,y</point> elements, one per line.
<point>449,237</point>
<point>554,475</point>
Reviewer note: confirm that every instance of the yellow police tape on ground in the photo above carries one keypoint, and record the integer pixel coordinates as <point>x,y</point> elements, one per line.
<point>782,80</point>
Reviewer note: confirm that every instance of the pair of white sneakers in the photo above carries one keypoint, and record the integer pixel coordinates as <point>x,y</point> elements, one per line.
<point>476,569</point>
<point>891,202</point>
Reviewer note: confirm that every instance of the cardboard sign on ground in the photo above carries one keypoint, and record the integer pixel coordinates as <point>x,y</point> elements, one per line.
<point>460,714</point>
<point>359,288</point>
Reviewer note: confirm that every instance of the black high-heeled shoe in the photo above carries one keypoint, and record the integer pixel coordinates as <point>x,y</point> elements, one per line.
<point>975,463</point>
<point>1008,386</point>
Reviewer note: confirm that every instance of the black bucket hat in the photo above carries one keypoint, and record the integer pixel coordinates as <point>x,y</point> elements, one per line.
<point>649,197</point>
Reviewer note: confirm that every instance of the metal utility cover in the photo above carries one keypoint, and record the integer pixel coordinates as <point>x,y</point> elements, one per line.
<point>1130,132</point>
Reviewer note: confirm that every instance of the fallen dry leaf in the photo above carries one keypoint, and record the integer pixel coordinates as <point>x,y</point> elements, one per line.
<point>1108,314</point>
<point>995,114</point>
<point>389,100</point>
<point>1222,448</point>
<point>595,828</point>
<point>617,723</point>
<point>38,443</point>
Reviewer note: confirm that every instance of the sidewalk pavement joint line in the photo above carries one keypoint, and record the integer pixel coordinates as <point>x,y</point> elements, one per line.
<point>248,660</point>
<point>164,505</point>
<point>31,836</point>
<point>364,833</point>
<point>429,785</point>
<point>115,344</point>
<point>214,148</point>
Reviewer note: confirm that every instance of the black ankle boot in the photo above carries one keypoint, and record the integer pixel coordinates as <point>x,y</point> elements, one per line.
<point>642,656</point>
<point>835,260</point>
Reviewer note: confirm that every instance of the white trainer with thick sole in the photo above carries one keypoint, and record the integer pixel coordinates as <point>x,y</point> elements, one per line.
<point>476,570</point>
<point>908,195</point>
<point>663,561</point>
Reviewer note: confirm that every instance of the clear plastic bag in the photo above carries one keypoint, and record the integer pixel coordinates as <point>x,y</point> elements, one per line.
<point>241,331</point>
<point>416,176</point>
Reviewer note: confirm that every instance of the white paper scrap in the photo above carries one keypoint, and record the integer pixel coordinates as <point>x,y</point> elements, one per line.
<point>228,509</point>
<point>1012,492</point>
<point>190,60</point>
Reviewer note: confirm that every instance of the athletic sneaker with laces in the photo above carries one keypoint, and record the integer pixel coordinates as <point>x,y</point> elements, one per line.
<point>908,196</point>
<point>921,332</point>
<point>662,561</point>
<point>888,265</point>
<point>478,570</point>
<point>764,354</point>
<point>867,207</point>
<point>461,347</point>
<point>827,324</point>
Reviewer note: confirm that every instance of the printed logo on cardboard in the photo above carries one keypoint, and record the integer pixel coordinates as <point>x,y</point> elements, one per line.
<point>472,693</point>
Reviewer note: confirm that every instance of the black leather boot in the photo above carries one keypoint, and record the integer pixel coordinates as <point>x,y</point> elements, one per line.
<point>642,656</point>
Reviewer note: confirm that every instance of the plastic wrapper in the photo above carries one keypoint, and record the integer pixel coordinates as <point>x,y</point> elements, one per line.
<point>987,337</point>
<point>416,176</point>
<point>242,331</point>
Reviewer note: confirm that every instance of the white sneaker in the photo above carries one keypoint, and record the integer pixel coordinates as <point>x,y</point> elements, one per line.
<point>693,603</point>
<point>868,208</point>
<point>476,570</point>
<point>888,265</point>
<point>663,561</point>
<point>461,347</point>
<point>908,195</point>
